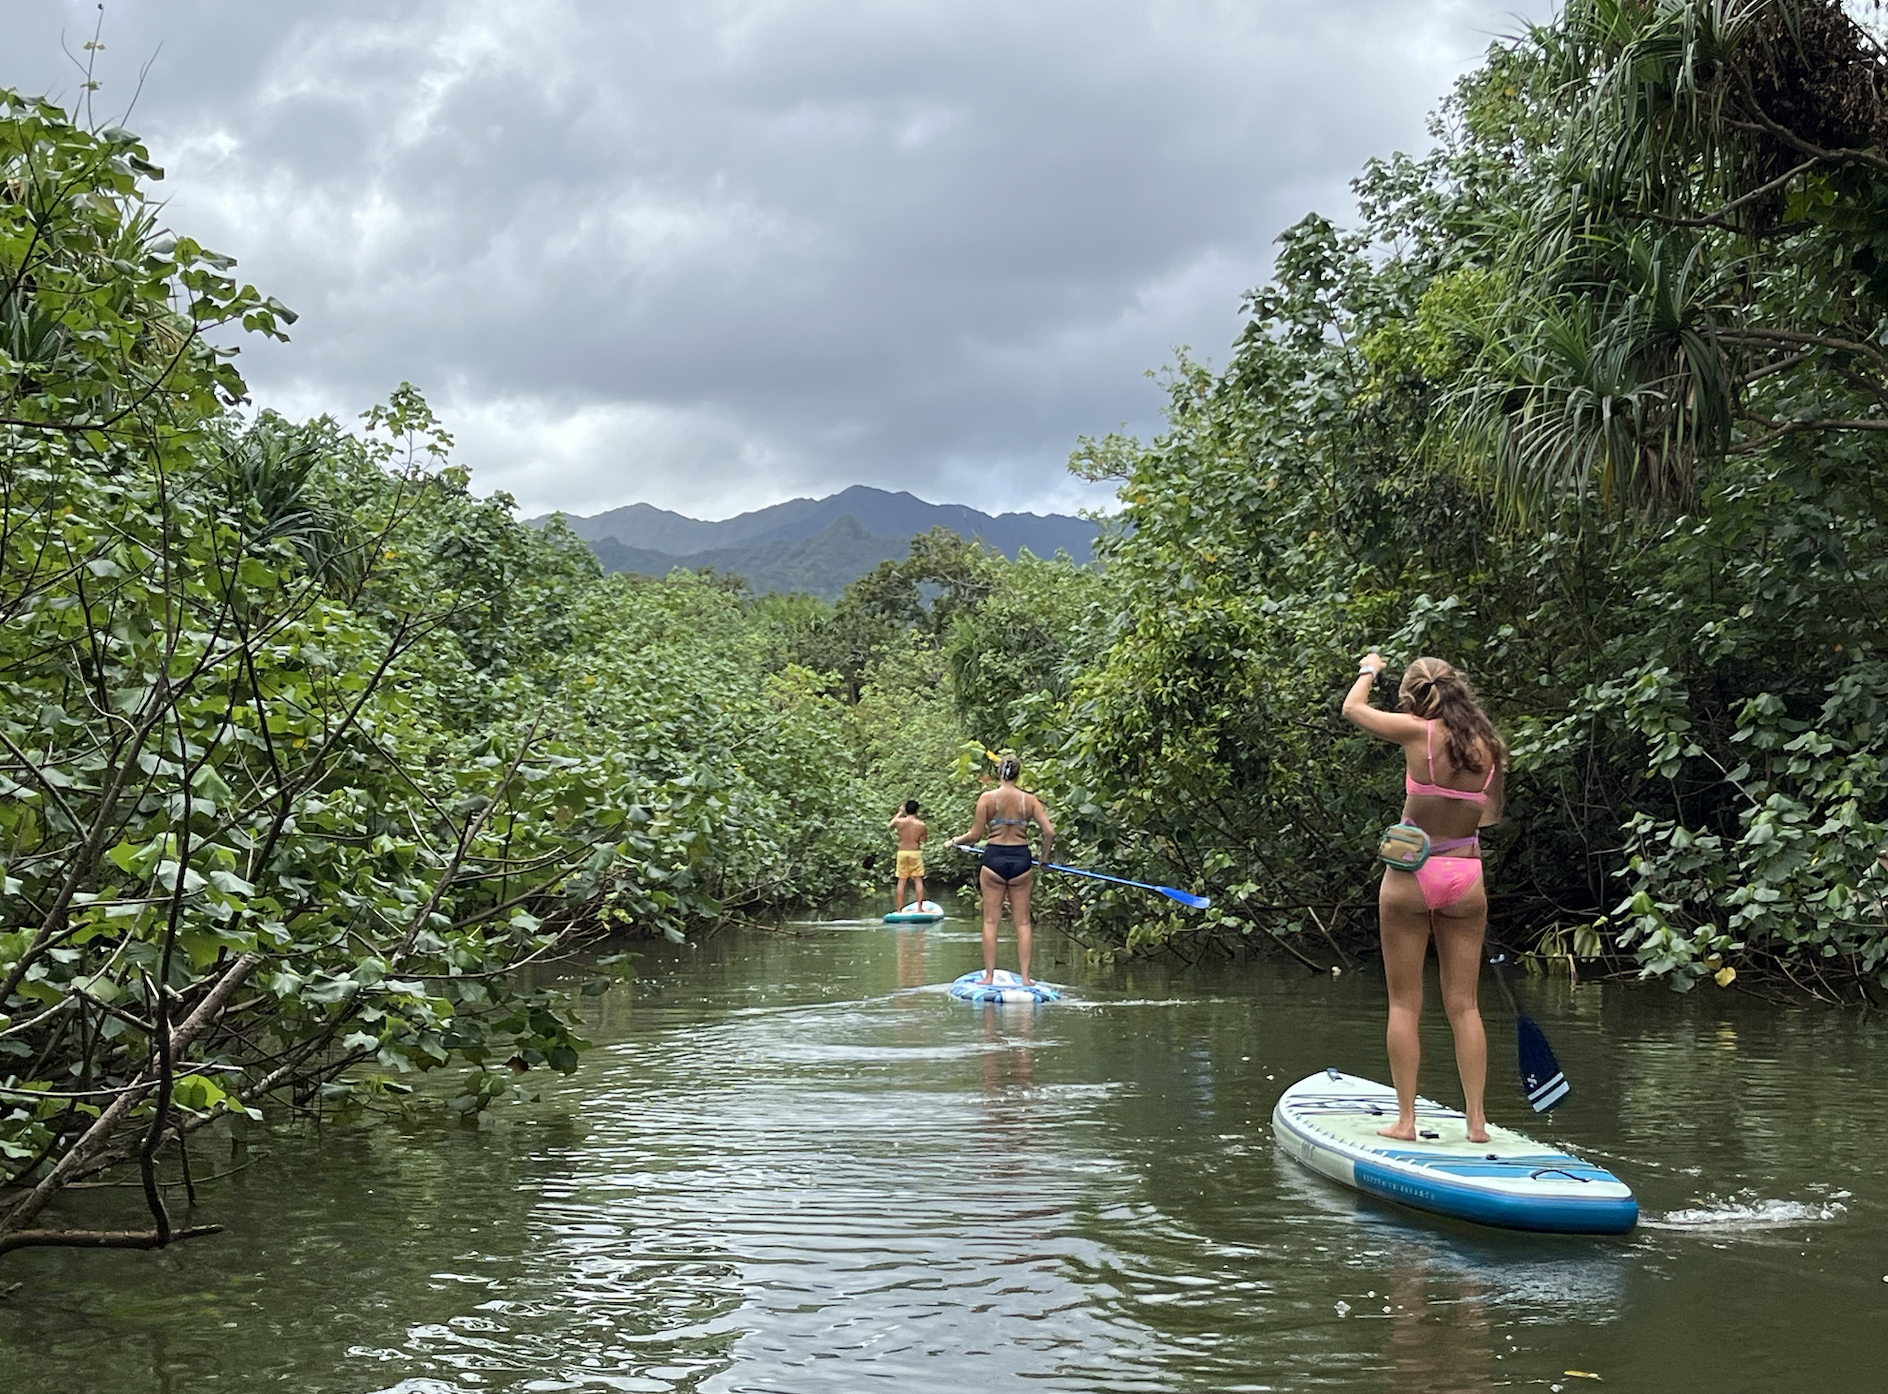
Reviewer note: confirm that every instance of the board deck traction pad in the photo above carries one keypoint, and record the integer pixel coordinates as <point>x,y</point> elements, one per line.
<point>1329,1122</point>
<point>1006,988</point>
<point>918,912</point>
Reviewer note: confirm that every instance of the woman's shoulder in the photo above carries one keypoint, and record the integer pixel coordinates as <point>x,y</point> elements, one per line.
<point>1403,728</point>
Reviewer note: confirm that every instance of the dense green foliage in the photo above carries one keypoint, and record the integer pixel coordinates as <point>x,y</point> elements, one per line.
<point>1593,404</point>
<point>304,750</point>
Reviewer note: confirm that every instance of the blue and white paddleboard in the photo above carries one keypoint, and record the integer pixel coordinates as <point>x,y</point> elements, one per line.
<point>1329,1122</point>
<point>1007,987</point>
<point>918,912</point>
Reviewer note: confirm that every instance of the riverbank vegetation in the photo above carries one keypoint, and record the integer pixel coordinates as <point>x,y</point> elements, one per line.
<point>304,750</point>
<point>1593,400</point>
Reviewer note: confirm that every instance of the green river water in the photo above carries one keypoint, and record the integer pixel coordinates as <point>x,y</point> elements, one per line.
<point>793,1164</point>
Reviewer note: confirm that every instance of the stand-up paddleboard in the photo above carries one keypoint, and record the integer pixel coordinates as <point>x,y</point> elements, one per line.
<point>1329,1122</point>
<point>918,912</point>
<point>1007,987</point>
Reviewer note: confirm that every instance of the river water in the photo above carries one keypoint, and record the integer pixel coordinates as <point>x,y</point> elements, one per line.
<point>793,1164</point>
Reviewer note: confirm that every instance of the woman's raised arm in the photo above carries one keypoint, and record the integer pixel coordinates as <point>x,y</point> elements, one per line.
<point>1390,726</point>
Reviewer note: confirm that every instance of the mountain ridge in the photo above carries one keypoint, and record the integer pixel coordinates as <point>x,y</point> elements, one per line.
<point>819,565</point>
<point>812,545</point>
<point>881,512</point>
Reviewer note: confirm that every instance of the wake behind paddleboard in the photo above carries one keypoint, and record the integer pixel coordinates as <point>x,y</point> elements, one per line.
<point>918,912</point>
<point>1330,1120</point>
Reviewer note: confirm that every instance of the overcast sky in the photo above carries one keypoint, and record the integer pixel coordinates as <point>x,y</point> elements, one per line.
<point>713,254</point>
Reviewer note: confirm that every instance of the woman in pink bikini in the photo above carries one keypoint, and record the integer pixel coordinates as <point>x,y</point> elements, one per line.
<point>1449,742</point>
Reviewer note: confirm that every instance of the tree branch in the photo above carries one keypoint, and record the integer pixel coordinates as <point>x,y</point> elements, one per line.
<point>100,1238</point>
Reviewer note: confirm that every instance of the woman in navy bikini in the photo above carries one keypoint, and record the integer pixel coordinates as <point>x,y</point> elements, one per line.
<point>1005,813</point>
<point>1460,792</point>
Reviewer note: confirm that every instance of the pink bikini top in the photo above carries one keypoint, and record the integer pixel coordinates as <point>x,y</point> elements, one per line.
<point>1413,786</point>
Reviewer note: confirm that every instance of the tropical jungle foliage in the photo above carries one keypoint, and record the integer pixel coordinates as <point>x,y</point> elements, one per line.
<point>304,751</point>
<point>1595,403</point>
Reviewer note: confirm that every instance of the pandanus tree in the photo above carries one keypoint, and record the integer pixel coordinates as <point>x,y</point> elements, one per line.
<point>1704,269</point>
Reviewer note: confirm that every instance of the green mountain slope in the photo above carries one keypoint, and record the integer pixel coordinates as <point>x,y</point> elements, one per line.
<point>821,564</point>
<point>879,513</point>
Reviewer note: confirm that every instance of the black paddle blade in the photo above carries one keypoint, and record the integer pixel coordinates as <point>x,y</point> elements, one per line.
<point>1541,1078</point>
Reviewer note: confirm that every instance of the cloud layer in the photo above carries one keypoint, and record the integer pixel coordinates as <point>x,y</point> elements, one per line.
<point>715,254</point>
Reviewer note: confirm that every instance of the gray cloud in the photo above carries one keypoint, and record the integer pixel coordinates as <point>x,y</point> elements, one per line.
<point>716,253</point>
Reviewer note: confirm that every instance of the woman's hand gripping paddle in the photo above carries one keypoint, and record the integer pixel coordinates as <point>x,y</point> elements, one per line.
<point>1186,898</point>
<point>1541,1077</point>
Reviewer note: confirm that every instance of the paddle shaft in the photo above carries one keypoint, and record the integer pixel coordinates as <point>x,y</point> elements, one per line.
<point>1187,898</point>
<point>1501,978</point>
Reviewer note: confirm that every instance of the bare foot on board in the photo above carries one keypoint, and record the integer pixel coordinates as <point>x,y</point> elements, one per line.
<point>1401,1132</point>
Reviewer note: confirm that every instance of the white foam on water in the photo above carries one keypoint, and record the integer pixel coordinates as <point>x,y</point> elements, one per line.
<point>1735,1216</point>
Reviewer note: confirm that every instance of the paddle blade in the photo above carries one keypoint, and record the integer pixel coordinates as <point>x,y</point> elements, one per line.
<point>1541,1077</point>
<point>1186,898</point>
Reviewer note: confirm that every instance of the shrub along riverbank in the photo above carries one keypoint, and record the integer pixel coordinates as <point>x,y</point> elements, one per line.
<point>1594,401</point>
<point>305,751</point>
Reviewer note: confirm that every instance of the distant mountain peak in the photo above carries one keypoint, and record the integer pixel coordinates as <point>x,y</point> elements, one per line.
<point>815,545</point>
<point>881,512</point>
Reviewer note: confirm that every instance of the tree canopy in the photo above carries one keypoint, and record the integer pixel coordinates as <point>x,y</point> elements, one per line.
<point>1592,403</point>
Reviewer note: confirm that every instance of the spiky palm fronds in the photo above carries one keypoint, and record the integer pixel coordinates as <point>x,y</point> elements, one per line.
<point>1613,372</point>
<point>271,467</point>
<point>1613,392</point>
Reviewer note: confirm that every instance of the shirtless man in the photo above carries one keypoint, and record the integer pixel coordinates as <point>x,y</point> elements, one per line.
<point>910,831</point>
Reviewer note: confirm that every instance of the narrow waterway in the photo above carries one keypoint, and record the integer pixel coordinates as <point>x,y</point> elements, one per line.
<point>793,1164</point>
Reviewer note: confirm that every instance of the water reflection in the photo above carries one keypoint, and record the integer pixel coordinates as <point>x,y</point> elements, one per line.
<point>794,1166</point>
<point>1441,1335</point>
<point>912,943</point>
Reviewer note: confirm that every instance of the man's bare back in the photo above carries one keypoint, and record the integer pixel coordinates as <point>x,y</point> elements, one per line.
<point>910,832</point>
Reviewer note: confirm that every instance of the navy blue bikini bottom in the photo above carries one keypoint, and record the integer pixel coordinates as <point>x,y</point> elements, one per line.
<point>1008,860</point>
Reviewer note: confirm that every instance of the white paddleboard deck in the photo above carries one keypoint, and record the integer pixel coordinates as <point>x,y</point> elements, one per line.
<point>1330,1120</point>
<point>1005,987</point>
<point>918,912</point>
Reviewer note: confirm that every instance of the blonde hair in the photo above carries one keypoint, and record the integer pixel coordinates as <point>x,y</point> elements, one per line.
<point>1436,691</point>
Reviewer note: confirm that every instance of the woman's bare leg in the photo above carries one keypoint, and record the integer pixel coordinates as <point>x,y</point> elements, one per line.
<point>1019,916</point>
<point>992,887</point>
<point>1459,930</point>
<point>1404,921</point>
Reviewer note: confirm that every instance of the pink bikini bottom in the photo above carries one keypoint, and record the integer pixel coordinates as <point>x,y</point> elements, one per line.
<point>1445,880</point>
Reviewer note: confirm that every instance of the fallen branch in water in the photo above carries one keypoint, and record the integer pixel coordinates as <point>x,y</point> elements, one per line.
<point>100,1238</point>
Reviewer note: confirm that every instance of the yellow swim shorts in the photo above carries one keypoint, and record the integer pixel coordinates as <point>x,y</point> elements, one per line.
<point>910,863</point>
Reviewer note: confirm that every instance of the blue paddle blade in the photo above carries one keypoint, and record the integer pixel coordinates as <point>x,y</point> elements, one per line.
<point>1186,898</point>
<point>1541,1078</point>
